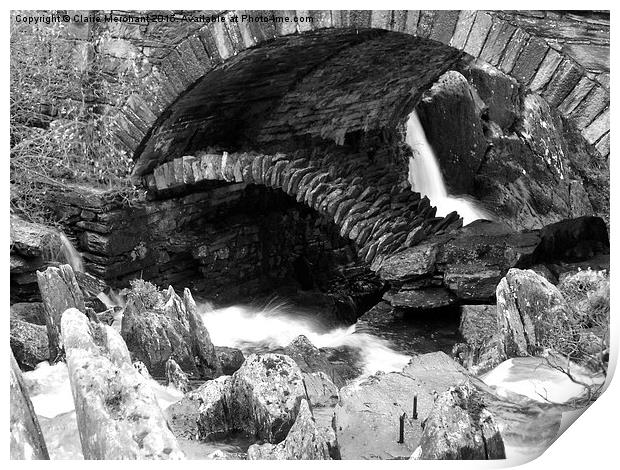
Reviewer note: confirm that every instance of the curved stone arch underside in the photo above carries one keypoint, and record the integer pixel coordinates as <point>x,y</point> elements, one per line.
<point>377,212</point>
<point>558,78</point>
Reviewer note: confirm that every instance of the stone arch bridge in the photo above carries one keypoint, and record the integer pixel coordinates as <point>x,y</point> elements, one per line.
<point>253,81</point>
<point>315,109</point>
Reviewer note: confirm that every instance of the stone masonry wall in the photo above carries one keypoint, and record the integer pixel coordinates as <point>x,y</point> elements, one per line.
<point>225,242</point>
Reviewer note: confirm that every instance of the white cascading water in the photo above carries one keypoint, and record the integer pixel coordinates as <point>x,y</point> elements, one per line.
<point>68,254</point>
<point>425,177</point>
<point>275,326</point>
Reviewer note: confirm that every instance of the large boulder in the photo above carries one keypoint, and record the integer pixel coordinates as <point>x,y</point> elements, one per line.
<point>26,441</point>
<point>29,343</point>
<point>117,413</point>
<point>158,326</point>
<point>459,427</point>
<point>367,417</point>
<point>530,310</point>
<point>305,441</point>
<point>260,400</point>
<point>266,393</point>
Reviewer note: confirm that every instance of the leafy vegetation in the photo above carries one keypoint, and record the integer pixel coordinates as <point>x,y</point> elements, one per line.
<point>61,132</point>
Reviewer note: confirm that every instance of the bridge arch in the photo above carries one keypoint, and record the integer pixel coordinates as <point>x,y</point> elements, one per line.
<point>215,49</point>
<point>375,211</point>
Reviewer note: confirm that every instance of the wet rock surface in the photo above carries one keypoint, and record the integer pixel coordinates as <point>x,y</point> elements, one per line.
<point>368,414</point>
<point>459,427</point>
<point>511,150</point>
<point>118,416</point>
<point>26,441</point>
<point>162,325</point>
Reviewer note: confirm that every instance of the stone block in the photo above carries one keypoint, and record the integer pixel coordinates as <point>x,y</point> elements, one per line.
<point>478,34</point>
<point>590,107</point>
<point>575,97</point>
<point>513,49</point>
<point>496,43</point>
<point>545,71</point>
<point>529,60</point>
<point>463,27</point>
<point>444,26</point>
<point>564,80</point>
<point>597,128</point>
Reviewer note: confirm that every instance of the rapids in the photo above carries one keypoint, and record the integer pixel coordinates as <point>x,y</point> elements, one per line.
<point>277,324</point>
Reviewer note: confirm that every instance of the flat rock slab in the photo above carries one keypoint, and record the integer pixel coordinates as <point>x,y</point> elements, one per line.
<point>367,416</point>
<point>421,299</point>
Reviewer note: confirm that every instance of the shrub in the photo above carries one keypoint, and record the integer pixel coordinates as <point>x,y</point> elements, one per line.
<point>146,294</point>
<point>60,127</point>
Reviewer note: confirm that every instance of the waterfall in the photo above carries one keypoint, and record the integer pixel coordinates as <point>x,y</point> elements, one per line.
<point>425,177</point>
<point>70,254</point>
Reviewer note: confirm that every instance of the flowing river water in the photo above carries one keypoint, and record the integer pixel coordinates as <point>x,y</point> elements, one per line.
<point>529,381</point>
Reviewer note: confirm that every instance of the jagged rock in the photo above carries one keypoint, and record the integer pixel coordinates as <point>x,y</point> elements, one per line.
<point>176,377</point>
<point>310,359</point>
<point>169,328</point>
<point>267,391</point>
<point>320,390</point>
<point>117,413</point>
<point>59,291</point>
<point>31,312</point>
<point>366,419</point>
<point>305,441</point>
<point>573,239</point>
<point>231,359</point>
<point>204,413</point>
<point>143,371</point>
<point>27,441</point>
<point>459,427</point>
<point>482,348</point>
<point>528,307</point>
<point>29,343</point>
